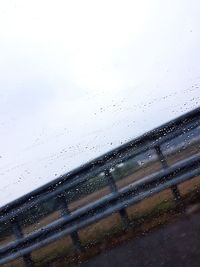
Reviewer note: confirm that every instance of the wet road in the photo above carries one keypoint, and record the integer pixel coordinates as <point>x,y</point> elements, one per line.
<point>174,245</point>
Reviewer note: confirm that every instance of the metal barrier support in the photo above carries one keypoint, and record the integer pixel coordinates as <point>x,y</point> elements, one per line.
<point>19,234</point>
<point>113,188</point>
<point>65,212</point>
<point>175,191</point>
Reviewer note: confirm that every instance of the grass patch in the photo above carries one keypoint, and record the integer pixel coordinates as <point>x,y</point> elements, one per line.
<point>161,214</point>
<point>100,239</point>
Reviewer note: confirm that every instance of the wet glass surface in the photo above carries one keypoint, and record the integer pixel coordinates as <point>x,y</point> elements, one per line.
<point>85,80</point>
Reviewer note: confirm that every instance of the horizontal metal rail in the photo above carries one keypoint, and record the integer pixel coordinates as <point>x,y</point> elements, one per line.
<point>116,201</point>
<point>154,138</point>
<point>91,213</point>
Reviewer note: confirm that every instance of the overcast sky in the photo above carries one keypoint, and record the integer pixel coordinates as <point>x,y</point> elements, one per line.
<point>78,78</point>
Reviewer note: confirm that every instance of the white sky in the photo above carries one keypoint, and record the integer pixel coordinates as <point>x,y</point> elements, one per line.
<point>78,78</point>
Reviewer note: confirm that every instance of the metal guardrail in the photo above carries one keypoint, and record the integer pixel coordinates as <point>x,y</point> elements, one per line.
<point>116,201</point>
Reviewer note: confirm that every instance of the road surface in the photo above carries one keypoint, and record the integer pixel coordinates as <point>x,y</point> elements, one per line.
<point>173,245</point>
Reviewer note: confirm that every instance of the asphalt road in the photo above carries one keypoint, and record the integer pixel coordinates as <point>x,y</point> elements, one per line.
<point>174,245</point>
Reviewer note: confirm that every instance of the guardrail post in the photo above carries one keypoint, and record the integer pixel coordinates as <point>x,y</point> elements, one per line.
<point>19,234</point>
<point>65,212</point>
<point>113,188</point>
<point>174,188</point>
